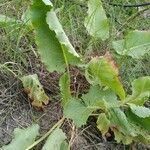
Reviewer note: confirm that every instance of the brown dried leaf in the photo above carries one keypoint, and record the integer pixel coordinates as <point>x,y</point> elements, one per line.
<point>35,91</point>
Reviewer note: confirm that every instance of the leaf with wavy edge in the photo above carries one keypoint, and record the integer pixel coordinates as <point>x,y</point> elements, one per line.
<point>135,44</point>
<point>53,45</point>
<point>140,111</point>
<point>96,22</point>
<point>56,140</point>
<point>140,91</point>
<point>35,91</point>
<point>103,123</point>
<point>103,71</point>
<point>23,138</point>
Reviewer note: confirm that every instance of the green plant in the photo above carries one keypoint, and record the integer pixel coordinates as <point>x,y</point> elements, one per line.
<point>107,99</point>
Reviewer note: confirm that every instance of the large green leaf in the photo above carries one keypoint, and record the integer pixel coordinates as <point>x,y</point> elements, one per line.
<point>140,111</point>
<point>53,45</point>
<point>78,112</point>
<point>22,138</point>
<point>35,90</point>
<point>135,44</point>
<point>141,90</point>
<point>96,22</point>
<point>80,109</point>
<point>64,84</point>
<point>102,70</point>
<point>100,98</point>
<point>56,141</point>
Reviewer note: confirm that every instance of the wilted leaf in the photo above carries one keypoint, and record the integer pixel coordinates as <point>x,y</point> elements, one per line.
<point>53,45</point>
<point>35,91</point>
<point>56,140</point>
<point>135,44</point>
<point>103,71</point>
<point>96,22</point>
<point>141,91</point>
<point>103,123</point>
<point>140,111</point>
<point>64,84</point>
<point>77,111</point>
<point>22,138</point>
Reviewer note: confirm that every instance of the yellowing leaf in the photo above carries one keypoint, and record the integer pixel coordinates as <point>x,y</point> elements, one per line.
<point>103,71</point>
<point>96,22</point>
<point>35,91</point>
<point>119,137</point>
<point>103,123</point>
<point>135,44</point>
<point>23,138</point>
<point>53,45</point>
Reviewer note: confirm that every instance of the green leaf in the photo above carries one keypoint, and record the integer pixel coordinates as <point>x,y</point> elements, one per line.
<point>96,22</point>
<point>141,91</point>
<point>142,122</point>
<point>119,121</point>
<point>64,146</point>
<point>64,84</point>
<point>140,111</point>
<point>78,112</point>
<point>141,127</point>
<point>7,21</point>
<point>53,45</point>
<point>23,138</point>
<point>119,137</point>
<point>55,141</point>
<point>135,44</point>
<point>35,91</point>
<point>100,98</point>
<point>103,123</point>
<point>103,71</point>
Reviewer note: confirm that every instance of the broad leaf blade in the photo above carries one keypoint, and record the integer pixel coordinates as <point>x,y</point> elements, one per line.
<point>77,111</point>
<point>55,141</point>
<point>135,44</point>
<point>96,22</point>
<point>102,70</point>
<point>140,91</point>
<point>35,91</point>
<point>51,40</point>
<point>140,111</point>
<point>64,84</point>
<point>23,138</point>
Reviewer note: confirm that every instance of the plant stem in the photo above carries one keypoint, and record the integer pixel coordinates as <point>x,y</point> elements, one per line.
<point>58,124</point>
